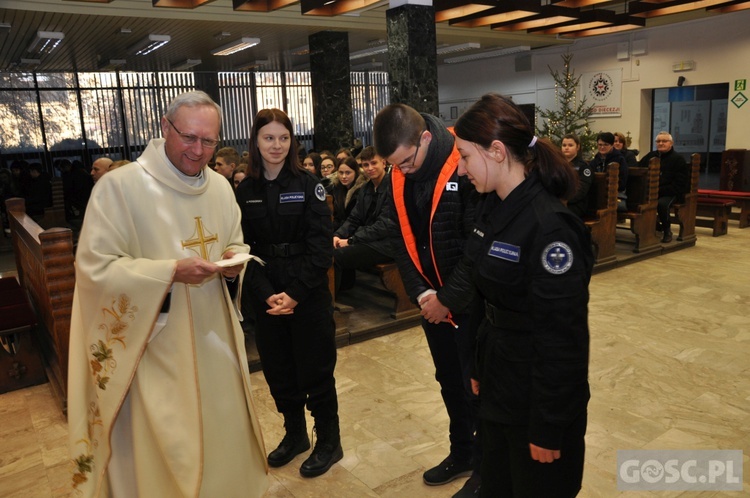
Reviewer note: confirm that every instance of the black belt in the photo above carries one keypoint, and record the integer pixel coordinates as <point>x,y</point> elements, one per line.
<point>280,250</point>
<point>506,319</point>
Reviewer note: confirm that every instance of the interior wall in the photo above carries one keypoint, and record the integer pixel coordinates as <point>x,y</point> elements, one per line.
<point>719,46</point>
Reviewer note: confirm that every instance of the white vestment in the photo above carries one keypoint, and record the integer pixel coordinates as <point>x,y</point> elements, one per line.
<point>188,425</point>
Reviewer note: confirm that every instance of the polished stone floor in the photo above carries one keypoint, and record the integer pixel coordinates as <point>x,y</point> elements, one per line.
<point>670,369</point>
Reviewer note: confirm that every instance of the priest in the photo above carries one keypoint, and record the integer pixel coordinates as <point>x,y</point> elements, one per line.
<point>159,389</point>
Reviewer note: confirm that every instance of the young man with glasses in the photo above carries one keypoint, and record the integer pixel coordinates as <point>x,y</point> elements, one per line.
<point>674,180</point>
<point>434,211</point>
<point>159,399</point>
<point>605,144</point>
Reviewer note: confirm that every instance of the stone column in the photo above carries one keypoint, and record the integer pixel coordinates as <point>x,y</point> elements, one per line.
<point>412,57</point>
<point>331,90</point>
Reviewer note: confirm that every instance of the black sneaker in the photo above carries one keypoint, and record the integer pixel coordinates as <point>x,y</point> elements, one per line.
<point>471,487</point>
<point>446,471</point>
<point>667,238</point>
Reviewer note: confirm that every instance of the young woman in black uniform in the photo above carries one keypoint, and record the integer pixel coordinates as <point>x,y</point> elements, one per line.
<point>286,221</point>
<point>533,263</point>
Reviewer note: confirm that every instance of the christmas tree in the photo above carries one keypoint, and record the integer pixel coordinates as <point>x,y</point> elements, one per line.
<point>572,114</point>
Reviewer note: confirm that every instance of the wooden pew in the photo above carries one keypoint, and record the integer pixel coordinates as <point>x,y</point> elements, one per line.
<point>44,260</point>
<point>741,199</point>
<point>601,215</point>
<point>684,213</point>
<point>391,279</point>
<point>54,216</point>
<point>643,194</point>
<point>714,213</point>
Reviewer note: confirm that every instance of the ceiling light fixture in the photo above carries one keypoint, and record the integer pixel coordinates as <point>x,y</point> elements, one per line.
<point>624,22</point>
<point>735,6</point>
<point>360,54</point>
<point>641,9</point>
<point>509,11</point>
<point>28,62</point>
<point>186,64</point>
<point>487,55</point>
<point>4,27</point>
<point>236,46</point>
<point>335,7</point>
<point>149,44</point>
<point>461,47</point>
<point>446,10</point>
<point>260,5</point>
<point>45,42</point>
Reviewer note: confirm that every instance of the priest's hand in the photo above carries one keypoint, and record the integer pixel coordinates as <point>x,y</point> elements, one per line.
<point>280,304</point>
<point>231,272</point>
<point>195,270</point>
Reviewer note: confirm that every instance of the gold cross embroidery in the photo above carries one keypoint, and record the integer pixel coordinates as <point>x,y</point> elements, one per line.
<point>200,239</point>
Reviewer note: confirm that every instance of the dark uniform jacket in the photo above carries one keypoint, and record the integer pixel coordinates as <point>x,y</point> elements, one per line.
<point>368,224</point>
<point>532,265</point>
<point>287,223</point>
<point>580,201</point>
<point>674,173</point>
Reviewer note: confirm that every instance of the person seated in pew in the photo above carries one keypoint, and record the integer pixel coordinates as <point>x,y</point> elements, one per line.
<point>621,145</point>
<point>38,191</point>
<point>571,149</point>
<point>605,142</point>
<point>361,242</point>
<point>345,185</point>
<point>674,180</point>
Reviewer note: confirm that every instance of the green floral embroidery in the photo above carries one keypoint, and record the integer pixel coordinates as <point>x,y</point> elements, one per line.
<point>117,319</point>
<point>84,463</point>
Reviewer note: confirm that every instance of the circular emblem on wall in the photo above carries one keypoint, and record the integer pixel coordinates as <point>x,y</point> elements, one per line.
<point>557,258</point>
<point>600,86</point>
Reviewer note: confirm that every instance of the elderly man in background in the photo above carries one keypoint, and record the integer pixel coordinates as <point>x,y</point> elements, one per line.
<point>159,400</point>
<point>100,167</point>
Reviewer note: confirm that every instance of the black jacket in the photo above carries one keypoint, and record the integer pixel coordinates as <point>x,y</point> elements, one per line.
<point>674,173</point>
<point>288,210</point>
<point>368,224</point>
<point>599,164</point>
<point>532,265</point>
<point>580,201</point>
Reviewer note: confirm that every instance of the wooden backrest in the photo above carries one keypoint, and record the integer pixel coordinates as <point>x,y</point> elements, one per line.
<point>695,172</point>
<point>643,185</point>
<point>45,265</point>
<point>603,191</point>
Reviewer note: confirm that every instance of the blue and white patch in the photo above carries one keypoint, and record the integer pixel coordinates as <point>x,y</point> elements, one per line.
<point>288,197</point>
<point>451,186</point>
<point>557,258</point>
<point>505,251</point>
<point>320,192</point>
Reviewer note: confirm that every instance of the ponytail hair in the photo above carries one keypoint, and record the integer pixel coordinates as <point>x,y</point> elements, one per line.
<point>495,117</point>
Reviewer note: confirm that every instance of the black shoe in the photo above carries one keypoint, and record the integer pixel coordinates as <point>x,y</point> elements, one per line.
<point>322,458</point>
<point>446,471</point>
<point>667,238</point>
<point>471,487</point>
<point>289,447</point>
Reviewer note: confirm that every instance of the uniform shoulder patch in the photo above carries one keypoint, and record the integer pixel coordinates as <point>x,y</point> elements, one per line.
<point>557,258</point>
<point>587,172</point>
<point>320,192</point>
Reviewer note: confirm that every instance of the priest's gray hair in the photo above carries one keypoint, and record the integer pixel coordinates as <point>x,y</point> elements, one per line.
<point>195,98</point>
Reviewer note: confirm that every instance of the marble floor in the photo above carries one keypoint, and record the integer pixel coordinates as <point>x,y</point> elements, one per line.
<point>670,369</point>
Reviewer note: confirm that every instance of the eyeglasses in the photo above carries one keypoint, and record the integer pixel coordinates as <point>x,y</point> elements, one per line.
<point>602,144</point>
<point>663,141</point>
<point>409,163</point>
<point>208,143</point>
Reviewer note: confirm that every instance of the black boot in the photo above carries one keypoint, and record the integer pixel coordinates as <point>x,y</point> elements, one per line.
<point>327,449</point>
<point>295,441</point>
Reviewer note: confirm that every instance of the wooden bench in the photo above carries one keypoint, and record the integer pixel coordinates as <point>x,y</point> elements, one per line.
<point>601,215</point>
<point>714,213</point>
<point>20,362</point>
<point>54,216</point>
<point>391,279</point>
<point>44,260</point>
<point>741,199</point>
<point>684,212</point>
<point>643,195</point>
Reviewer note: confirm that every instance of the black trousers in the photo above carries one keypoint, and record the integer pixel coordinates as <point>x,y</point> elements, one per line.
<point>298,355</point>
<point>663,207</point>
<point>355,257</point>
<point>509,471</point>
<point>453,352</point>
